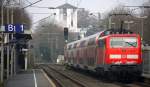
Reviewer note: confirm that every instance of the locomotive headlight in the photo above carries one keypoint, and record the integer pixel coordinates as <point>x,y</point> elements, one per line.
<point>115,56</point>
<point>132,56</point>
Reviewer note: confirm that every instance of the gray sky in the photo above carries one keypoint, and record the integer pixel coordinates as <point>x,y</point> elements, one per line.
<point>101,6</point>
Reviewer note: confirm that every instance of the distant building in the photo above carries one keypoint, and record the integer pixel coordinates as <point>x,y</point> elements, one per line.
<point>66,16</point>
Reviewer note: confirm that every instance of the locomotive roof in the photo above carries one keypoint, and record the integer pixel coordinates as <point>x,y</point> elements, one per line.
<point>102,33</point>
<point>92,36</point>
<point>82,40</point>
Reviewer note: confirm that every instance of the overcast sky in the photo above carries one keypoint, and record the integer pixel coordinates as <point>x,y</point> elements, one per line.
<point>101,6</point>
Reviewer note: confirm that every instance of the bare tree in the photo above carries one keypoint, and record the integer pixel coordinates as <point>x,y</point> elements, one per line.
<point>83,18</point>
<point>89,21</point>
<point>120,13</point>
<point>20,15</point>
<point>49,41</point>
<point>86,19</point>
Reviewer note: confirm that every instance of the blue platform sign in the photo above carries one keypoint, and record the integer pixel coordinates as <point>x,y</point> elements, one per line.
<point>14,28</point>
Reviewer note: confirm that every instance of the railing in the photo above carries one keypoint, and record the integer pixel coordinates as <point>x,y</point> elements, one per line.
<point>146,59</point>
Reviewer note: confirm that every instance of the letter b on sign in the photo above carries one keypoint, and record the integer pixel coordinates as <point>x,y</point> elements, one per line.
<point>11,28</point>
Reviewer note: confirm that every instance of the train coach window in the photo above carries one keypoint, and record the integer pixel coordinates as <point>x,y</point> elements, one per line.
<point>74,45</point>
<point>123,42</point>
<point>82,44</point>
<point>91,41</point>
<point>69,47</point>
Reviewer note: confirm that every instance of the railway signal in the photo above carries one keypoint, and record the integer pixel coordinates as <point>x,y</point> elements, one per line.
<point>66,34</point>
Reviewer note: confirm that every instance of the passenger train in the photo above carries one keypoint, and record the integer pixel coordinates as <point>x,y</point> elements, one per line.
<point>108,53</point>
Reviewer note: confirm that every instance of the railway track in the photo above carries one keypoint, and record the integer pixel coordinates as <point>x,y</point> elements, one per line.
<point>75,79</point>
<point>60,79</point>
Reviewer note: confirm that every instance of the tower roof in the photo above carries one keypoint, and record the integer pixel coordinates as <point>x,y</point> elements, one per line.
<point>66,5</point>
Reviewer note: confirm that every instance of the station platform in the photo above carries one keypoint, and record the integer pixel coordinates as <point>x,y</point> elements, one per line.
<point>146,76</point>
<point>30,78</point>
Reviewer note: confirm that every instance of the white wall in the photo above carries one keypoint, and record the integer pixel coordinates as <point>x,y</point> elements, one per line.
<point>71,15</point>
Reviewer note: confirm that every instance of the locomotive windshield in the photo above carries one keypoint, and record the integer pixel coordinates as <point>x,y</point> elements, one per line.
<point>123,42</point>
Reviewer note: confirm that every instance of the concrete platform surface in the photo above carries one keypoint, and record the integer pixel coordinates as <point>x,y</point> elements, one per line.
<point>146,75</point>
<point>30,78</point>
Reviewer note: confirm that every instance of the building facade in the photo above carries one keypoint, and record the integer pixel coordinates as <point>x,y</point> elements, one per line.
<point>66,16</point>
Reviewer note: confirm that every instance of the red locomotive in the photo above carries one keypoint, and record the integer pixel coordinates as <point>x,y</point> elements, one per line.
<point>109,52</point>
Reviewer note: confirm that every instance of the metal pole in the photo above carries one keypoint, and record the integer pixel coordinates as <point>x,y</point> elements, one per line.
<point>33,51</point>
<point>8,45</point>
<point>12,60</point>
<point>56,42</point>
<point>99,18</point>
<point>128,26</point>
<point>110,22</point>
<point>2,60</point>
<point>52,51</point>
<point>142,28</point>
<point>26,60</point>
<point>2,46</point>
<point>48,40</point>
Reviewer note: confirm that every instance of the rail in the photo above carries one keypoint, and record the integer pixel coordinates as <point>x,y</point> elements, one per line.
<point>80,83</point>
<point>57,82</point>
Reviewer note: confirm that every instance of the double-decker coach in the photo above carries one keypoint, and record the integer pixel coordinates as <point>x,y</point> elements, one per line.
<point>110,52</point>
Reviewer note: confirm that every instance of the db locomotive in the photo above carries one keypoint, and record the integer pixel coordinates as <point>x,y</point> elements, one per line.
<point>108,53</point>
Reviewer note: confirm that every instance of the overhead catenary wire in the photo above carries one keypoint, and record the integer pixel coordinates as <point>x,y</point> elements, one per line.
<point>42,19</point>
<point>38,6</point>
<point>35,6</point>
<point>29,2</point>
<point>40,13</point>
